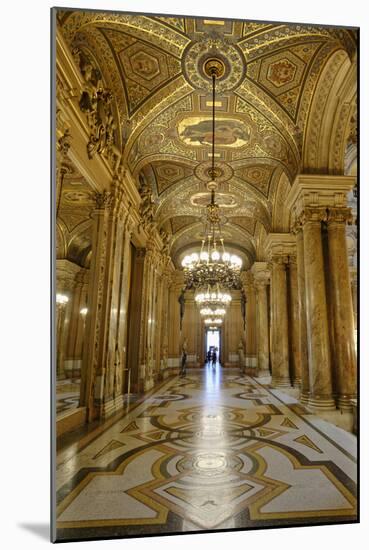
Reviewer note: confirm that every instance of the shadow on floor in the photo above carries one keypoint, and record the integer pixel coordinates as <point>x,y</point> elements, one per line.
<point>42,530</point>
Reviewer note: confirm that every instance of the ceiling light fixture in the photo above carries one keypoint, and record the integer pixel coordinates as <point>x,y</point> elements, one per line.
<point>213,265</point>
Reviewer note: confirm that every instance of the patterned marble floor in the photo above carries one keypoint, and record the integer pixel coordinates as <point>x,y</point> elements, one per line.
<point>213,450</point>
<point>67,395</point>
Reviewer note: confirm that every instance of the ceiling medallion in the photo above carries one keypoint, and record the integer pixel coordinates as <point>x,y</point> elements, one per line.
<point>222,171</point>
<point>209,55</point>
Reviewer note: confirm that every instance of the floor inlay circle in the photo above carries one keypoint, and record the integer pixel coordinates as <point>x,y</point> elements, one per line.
<point>210,464</point>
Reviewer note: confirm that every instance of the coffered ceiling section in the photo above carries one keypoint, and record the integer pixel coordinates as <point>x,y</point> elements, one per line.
<point>154,67</point>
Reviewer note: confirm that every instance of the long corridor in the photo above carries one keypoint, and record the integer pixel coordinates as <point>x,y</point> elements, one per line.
<point>212,450</point>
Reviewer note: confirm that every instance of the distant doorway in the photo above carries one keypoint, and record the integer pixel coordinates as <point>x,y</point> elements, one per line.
<point>213,342</point>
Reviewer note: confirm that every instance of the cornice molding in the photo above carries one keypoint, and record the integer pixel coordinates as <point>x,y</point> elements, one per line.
<point>280,244</point>
<point>319,190</point>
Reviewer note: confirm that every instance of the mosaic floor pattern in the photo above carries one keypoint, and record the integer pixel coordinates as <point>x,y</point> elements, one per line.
<point>213,450</point>
<point>67,395</point>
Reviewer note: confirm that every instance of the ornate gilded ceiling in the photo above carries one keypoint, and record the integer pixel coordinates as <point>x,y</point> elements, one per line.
<point>154,67</point>
<point>73,230</point>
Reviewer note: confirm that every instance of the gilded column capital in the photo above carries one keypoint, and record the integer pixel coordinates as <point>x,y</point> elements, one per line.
<point>339,216</point>
<point>103,200</point>
<point>292,259</point>
<point>312,214</point>
<point>279,260</point>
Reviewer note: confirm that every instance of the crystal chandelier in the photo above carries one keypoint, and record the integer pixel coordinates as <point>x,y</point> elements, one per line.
<point>209,311</point>
<point>213,265</point>
<point>212,297</point>
<point>213,321</point>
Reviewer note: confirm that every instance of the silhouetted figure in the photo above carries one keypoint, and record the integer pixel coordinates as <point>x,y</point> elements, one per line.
<point>208,356</point>
<point>214,358</point>
<point>183,364</point>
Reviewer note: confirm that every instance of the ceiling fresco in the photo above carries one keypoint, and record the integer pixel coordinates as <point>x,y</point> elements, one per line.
<point>154,67</point>
<point>74,226</point>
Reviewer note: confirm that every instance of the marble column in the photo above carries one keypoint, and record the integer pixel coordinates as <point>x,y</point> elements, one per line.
<point>98,366</point>
<point>134,329</point>
<point>62,166</point>
<point>293,318</point>
<point>250,335</point>
<point>93,371</point>
<point>262,337</point>
<point>77,322</point>
<point>60,340</point>
<point>343,318</point>
<point>120,364</point>
<point>302,329</point>
<point>165,324</point>
<point>146,352</point>
<point>320,375</point>
<point>279,351</point>
<point>353,275</point>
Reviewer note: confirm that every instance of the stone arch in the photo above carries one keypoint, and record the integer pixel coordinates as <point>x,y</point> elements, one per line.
<point>60,239</point>
<point>281,214</point>
<point>330,112</point>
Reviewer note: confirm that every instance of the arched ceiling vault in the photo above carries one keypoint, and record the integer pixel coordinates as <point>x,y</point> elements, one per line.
<point>268,112</point>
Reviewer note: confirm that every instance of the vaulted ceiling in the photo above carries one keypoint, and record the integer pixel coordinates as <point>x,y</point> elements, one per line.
<point>155,68</point>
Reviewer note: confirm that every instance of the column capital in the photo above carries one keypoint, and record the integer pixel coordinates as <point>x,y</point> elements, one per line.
<point>103,200</point>
<point>312,214</point>
<point>261,273</point>
<point>318,190</point>
<point>279,260</point>
<point>293,260</point>
<point>339,216</point>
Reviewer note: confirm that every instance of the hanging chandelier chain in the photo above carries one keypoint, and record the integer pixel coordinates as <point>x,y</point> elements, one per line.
<point>213,140</point>
<point>215,269</point>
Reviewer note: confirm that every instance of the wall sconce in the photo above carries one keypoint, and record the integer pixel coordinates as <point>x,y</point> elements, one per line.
<point>84,311</point>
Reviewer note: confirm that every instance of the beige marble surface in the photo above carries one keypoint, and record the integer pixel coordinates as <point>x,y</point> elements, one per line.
<point>212,450</point>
